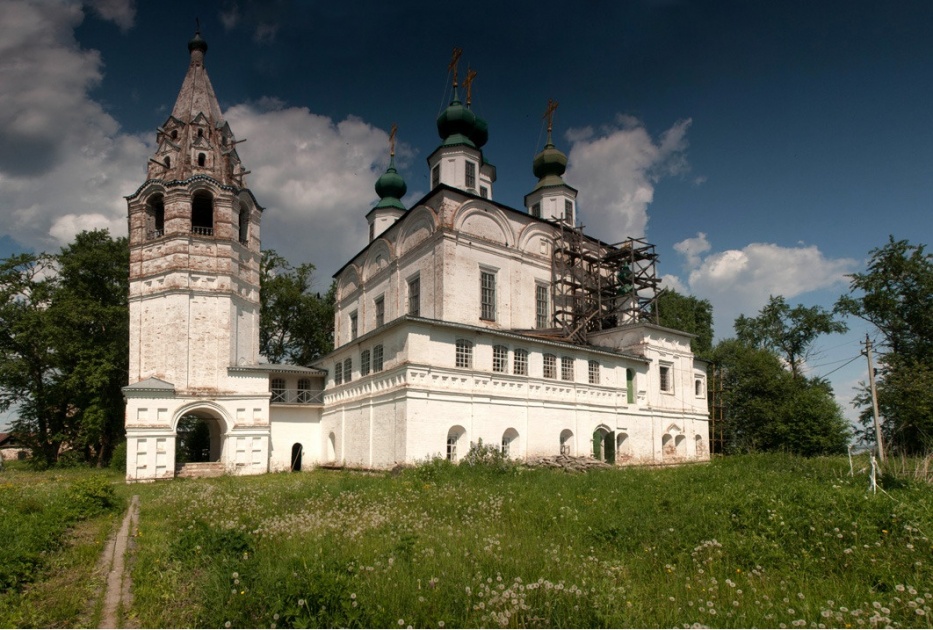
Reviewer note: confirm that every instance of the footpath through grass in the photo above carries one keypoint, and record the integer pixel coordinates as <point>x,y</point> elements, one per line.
<point>53,526</point>
<point>766,541</point>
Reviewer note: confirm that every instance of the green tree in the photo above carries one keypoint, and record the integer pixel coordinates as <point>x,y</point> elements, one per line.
<point>895,295</point>
<point>63,346</point>
<point>788,331</point>
<point>689,314</point>
<point>296,325</point>
<point>769,409</point>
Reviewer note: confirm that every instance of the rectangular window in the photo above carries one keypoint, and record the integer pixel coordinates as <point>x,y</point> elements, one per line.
<point>487,297</point>
<point>470,175</point>
<point>566,368</point>
<point>364,363</point>
<point>414,296</point>
<point>377,358</point>
<point>594,372</point>
<point>464,356</point>
<point>541,306</point>
<point>630,386</point>
<point>520,364</point>
<point>484,192</point>
<point>500,359</point>
<point>550,366</point>
<point>568,211</point>
<point>354,325</point>
<point>435,175</point>
<point>347,370</point>
<point>338,373</point>
<point>278,390</point>
<point>372,232</point>
<point>699,388</point>
<point>380,311</point>
<point>536,210</point>
<point>667,383</point>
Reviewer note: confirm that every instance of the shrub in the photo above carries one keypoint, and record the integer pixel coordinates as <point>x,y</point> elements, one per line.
<point>92,495</point>
<point>489,458</point>
<point>118,458</point>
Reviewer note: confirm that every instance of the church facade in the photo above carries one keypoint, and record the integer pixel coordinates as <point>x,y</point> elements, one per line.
<point>461,320</point>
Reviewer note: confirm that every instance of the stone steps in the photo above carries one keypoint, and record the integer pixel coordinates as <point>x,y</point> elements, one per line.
<point>199,469</point>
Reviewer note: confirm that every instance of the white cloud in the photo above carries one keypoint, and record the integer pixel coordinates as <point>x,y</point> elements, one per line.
<point>314,176</point>
<point>616,171</point>
<point>121,12</point>
<point>64,164</point>
<point>692,248</point>
<point>740,281</point>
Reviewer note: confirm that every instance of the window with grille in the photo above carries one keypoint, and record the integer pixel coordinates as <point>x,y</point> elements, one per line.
<point>435,175</point>
<point>506,441</point>
<point>520,362</point>
<point>364,363</point>
<point>380,311</point>
<point>667,383</point>
<point>464,354</point>
<point>550,366</point>
<point>568,211</point>
<point>500,359</point>
<point>541,306</point>
<point>377,358</point>
<point>566,368</point>
<point>414,296</point>
<point>452,447</point>
<point>536,210</point>
<point>354,325</point>
<point>487,296</point>
<point>484,192</point>
<point>278,390</point>
<point>594,372</point>
<point>338,373</point>
<point>470,175</point>
<point>347,370</point>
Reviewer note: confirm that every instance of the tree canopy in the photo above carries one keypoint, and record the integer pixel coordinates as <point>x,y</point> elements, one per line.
<point>296,325</point>
<point>64,334</point>
<point>786,330</point>
<point>689,314</point>
<point>895,294</point>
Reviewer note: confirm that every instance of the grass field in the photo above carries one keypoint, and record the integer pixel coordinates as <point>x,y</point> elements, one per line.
<point>754,541</point>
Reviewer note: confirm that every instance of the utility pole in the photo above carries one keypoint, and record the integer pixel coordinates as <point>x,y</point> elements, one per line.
<point>874,398</point>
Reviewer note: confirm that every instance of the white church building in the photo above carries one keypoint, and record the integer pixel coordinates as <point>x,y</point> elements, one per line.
<point>461,320</point>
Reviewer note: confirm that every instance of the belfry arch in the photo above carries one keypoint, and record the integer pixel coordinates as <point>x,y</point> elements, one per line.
<point>200,435</point>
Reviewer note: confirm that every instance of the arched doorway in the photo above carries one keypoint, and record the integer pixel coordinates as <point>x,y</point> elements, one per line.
<point>200,438</point>
<point>296,457</point>
<point>604,445</point>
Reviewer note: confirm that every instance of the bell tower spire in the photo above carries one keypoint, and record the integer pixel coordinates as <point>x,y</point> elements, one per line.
<point>194,279</point>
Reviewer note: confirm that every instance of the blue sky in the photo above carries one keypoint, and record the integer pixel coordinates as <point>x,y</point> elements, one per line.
<point>764,147</point>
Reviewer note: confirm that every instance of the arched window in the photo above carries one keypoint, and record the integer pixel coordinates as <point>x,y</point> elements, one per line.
<point>155,217</point>
<point>364,363</point>
<point>202,213</point>
<point>550,366</point>
<point>244,223</point>
<point>168,162</point>
<point>500,359</point>
<point>509,438</point>
<point>278,390</point>
<point>566,442</point>
<point>296,457</point>
<point>174,134</point>
<point>377,358</point>
<point>520,363</point>
<point>200,132</point>
<point>332,447</point>
<point>593,372</point>
<point>201,159</point>
<point>455,437</point>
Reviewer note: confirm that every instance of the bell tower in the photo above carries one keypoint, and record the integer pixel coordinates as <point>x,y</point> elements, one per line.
<point>194,286</point>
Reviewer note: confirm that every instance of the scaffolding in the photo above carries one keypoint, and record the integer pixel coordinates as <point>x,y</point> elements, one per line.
<point>598,286</point>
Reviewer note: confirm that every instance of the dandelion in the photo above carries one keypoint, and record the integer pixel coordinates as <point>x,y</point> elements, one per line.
<point>440,624</point>
<point>899,588</point>
<point>920,611</point>
<point>227,625</point>
<point>301,602</point>
<point>401,622</point>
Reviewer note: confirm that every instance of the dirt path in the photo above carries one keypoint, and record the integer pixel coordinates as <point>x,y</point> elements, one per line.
<point>117,595</point>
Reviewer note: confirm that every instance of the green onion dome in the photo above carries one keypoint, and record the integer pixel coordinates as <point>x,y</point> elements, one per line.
<point>480,133</point>
<point>549,165</point>
<point>391,188</point>
<point>457,124</point>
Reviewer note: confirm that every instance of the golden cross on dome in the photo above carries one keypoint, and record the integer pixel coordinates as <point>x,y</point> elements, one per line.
<point>392,139</point>
<point>549,113</point>
<point>468,82</point>
<point>454,59</point>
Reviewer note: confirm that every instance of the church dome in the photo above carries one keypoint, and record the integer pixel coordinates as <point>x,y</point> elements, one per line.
<point>551,161</point>
<point>391,188</point>
<point>480,132</point>
<point>197,43</point>
<point>457,124</point>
